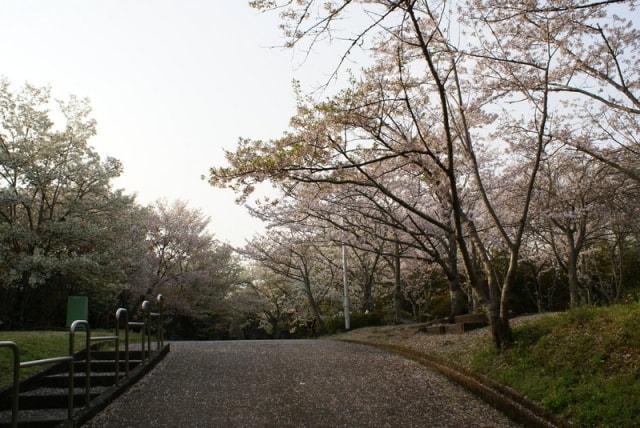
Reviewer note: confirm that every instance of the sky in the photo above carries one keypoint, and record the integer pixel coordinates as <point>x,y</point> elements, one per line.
<point>172,84</point>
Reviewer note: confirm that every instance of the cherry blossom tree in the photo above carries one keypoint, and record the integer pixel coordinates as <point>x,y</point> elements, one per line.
<point>467,103</point>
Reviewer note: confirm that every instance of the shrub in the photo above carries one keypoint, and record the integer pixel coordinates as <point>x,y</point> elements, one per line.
<point>358,320</point>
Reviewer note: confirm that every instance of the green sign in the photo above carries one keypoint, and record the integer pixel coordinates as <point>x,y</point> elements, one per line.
<point>77,309</point>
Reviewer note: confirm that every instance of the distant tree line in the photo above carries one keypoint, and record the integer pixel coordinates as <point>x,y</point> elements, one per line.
<point>65,230</point>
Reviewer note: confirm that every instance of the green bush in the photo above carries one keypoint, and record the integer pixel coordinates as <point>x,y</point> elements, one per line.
<point>358,320</point>
<point>440,306</point>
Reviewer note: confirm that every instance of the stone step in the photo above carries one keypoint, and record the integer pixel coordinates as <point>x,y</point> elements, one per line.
<point>50,401</point>
<point>434,329</point>
<point>62,391</point>
<point>111,355</point>
<point>468,323</point>
<point>102,366</point>
<point>61,380</point>
<point>454,329</point>
<point>99,366</point>
<point>34,418</point>
<point>460,328</point>
<point>472,319</point>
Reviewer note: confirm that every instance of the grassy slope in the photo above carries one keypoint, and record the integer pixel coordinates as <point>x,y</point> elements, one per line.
<point>583,364</point>
<point>35,345</point>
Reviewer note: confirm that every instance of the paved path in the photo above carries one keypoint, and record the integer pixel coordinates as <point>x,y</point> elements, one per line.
<point>311,383</point>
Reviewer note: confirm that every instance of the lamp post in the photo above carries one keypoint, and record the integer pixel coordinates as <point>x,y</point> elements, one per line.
<point>346,302</point>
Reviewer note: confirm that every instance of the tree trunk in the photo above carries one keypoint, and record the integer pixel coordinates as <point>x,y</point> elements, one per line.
<point>617,265</point>
<point>312,302</point>
<point>456,293</point>
<point>498,319</point>
<point>275,327</point>
<point>22,299</point>
<point>500,329</point>
<point>369,277</point>
<point>509,280</point>
<point>572,276</point>
<point>458,297</point>
<point>414,311</point>
<point>367,298</point>
<point>538,283</point>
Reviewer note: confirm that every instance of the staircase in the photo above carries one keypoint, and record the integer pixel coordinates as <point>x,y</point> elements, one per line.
<point>44,397</point>
<point>74,388</point>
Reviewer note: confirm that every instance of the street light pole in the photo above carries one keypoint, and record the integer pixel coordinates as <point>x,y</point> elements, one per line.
<point>346,302</point>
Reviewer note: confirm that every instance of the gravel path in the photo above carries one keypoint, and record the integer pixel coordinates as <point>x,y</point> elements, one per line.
<point>309,383</point>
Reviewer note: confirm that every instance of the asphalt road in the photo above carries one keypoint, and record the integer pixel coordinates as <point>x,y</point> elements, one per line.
<point>305,383</point>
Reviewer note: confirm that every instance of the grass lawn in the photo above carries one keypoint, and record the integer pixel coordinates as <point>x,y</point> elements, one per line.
<point>35,345</point>
<point>583,364</point>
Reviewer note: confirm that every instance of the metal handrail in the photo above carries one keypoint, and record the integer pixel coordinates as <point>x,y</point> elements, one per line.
<point>72,331</point>
<point>146,308</point>
<point>16,377</point>
<point>54,360</point>
<point>145,330</point>
<point>103,338</point>
<point>44,361</point>
<point>142,332</point>
<point>116,343</point>
<point>17,365</point>
<point>119,313</point>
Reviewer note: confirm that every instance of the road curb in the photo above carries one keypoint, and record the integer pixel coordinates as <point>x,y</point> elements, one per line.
<point>516,406</point>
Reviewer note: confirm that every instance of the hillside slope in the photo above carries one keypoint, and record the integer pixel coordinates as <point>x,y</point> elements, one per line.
<point>583,364</point>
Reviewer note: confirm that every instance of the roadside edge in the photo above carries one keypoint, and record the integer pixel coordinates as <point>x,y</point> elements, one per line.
<point>513,404</point>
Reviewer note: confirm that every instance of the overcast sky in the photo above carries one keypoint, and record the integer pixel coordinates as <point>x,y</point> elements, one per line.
<point>172,83</point>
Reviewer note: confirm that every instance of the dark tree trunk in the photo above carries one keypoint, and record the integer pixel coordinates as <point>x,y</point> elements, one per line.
<point>314,305</point>
<point>367,298</point>
<point>456,293</point>
<point>367,287</point>
<point>572,277</point>
<point>22,299</point>
<point>275,326</point>
<point>458,298</point>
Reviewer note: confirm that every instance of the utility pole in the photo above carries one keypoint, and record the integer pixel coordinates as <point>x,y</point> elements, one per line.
<point>346,302</point>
